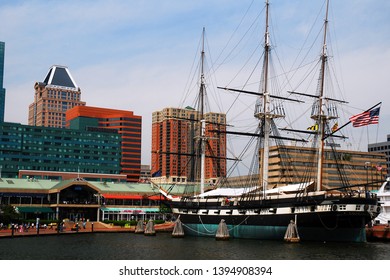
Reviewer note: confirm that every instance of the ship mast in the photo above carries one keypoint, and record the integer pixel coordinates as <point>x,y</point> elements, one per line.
<point>321,117</point>
<point>202,91</point>
<point>266,108</point>
<point>262,111</point>
<point>267,119</point>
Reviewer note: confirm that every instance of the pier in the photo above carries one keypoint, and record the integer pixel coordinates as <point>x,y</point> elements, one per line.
<point>91,227</point>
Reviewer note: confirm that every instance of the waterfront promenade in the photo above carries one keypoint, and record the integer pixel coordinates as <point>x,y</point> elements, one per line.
<point>91,227</point>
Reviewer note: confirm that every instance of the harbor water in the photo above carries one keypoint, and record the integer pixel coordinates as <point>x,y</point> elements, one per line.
<point>130,246</point>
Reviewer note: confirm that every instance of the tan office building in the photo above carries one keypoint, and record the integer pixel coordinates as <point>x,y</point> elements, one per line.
<point>291,165</point>
<point>53,97</point>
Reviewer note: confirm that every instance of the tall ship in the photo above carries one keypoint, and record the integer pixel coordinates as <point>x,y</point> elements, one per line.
<point>260,210</point>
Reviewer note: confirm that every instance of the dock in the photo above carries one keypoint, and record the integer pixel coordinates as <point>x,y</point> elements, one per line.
<point>91,227</point>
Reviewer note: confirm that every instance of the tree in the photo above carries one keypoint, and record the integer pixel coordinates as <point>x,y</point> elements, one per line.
<point>8,214</point>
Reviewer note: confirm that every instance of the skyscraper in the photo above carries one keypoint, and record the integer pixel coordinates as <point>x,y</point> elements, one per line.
<point>53,97</point>
<point>125,123</point>
<point>2,89</point>
<point>175,136</point>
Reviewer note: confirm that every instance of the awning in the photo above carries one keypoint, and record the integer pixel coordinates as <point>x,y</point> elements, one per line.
<point>134,196</point>
<point>36,210</point>
<point>135,211</point>
<point>122,196</point>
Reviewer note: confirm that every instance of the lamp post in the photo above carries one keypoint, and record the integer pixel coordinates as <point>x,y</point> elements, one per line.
<point>38,225</point>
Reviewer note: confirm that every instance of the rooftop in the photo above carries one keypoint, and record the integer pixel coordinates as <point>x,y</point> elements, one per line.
<point>42,186</point>
<point>60,76</point>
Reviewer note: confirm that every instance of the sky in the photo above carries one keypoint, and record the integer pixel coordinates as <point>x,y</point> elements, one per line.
<point>139,55</point>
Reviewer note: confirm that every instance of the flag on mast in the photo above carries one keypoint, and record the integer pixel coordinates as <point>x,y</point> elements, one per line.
<point>313,127</point>
<point>335,127</point>
<point>366,118</point>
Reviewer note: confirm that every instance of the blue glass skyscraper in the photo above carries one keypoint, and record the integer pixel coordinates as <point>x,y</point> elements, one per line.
<point>2,89</point>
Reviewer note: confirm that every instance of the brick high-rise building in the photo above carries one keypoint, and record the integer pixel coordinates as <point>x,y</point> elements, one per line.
<point>53,97</point>
<point>128,125</point>
<point>175,135</point>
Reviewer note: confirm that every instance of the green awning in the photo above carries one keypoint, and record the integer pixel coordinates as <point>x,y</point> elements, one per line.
<point>36,210</point>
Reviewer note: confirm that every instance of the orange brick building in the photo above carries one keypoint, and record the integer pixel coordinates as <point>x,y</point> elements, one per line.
<point>175,134</point>
<point>128,125</point>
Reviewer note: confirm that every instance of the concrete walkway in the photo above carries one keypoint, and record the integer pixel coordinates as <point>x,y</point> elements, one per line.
<point>97,227</point>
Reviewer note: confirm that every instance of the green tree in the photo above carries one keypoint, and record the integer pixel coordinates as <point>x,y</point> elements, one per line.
<point>8,214</point>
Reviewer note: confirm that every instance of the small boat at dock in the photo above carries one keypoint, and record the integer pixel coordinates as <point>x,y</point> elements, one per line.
<point>380,230</point>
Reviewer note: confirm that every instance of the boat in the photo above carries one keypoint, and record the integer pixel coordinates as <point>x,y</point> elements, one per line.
<point>380,229</point>
<point>383,195</point>
<point>260,211</point>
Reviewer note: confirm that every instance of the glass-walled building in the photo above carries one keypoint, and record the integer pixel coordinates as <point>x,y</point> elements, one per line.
<point>24,147</point>
<point>126,123</point>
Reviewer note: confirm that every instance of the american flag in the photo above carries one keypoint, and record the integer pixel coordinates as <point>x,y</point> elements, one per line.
<point>366,118</point>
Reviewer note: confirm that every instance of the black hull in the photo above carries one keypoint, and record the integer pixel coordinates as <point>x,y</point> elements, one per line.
<point>321,220</point>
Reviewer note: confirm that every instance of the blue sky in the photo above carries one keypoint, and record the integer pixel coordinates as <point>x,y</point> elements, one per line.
<point>138,55</point>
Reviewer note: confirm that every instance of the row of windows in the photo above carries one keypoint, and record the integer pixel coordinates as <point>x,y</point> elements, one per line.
<point>122,125</point>
<point>63,95</point>
<point>39,139</point>
<point>54,152</point>
<point>131,129</point>
<point>131,151</point>
<point>126,135</point>
<point>74,142</point>
<point>56,166</point>
<point>45,133</point>
<point>131,145</point>
<point>99,169</point>
<point>71,144</point>
<point>381,148</point>
<point>58,158</point>
<point>137,120</point>
<point>133,160</point>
